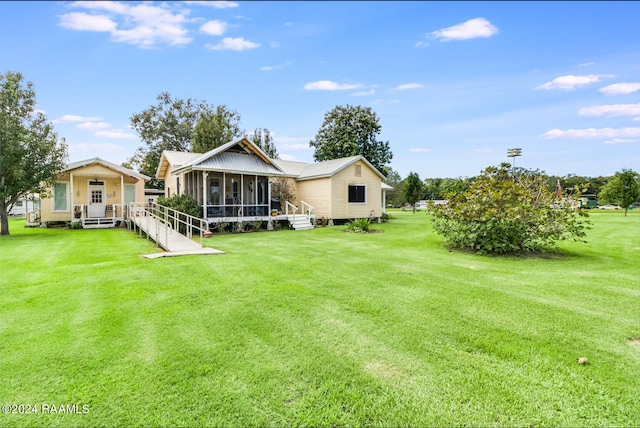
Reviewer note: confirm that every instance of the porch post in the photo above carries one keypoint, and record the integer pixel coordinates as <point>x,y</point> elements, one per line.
<point>204,194</point>
<point>122,201</point>
<point>224,190</point>
<point>73,195</point>
<point>242,194</point>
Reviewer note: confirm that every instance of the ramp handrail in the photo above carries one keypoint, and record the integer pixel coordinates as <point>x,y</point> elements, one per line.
<point>141,210</point>
<point>180,220</point>
<point>309,207</point>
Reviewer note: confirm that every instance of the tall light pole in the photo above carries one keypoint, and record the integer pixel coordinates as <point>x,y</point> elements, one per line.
<point>513,153</point>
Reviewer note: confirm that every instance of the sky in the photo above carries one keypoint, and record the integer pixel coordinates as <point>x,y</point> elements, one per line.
<point>455,85</point>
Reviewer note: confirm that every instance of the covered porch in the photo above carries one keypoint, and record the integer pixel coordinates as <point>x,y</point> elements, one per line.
<point>228,197</point>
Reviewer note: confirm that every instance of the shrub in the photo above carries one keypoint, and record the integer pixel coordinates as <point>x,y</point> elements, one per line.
<point>504,212</point>
<point>183,203</point>
<point>359,225</point>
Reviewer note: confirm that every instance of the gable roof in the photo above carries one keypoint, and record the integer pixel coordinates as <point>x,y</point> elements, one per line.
<point>308,171</point>
<point>175,159</point>
<point>232,157</point>
<point>93,161</point>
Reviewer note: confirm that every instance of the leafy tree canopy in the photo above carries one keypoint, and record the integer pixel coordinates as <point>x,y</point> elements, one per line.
<point>350,131</point>
<point>623,189</point>
<point>262,138</point>
<point>170,125</point>
<point>413,189</point>
<point>31,155</point>
<point>508,212</point>
<point>215,128</point>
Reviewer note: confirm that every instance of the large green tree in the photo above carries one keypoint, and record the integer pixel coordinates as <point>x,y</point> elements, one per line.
<point>170,125</point>
<point>350,131</point>
<point>31,154</point>
<point>215,128</point>
<point>622,189</point>
<point>413,189</point>
<point>262,138</point>
<point>503,212</point>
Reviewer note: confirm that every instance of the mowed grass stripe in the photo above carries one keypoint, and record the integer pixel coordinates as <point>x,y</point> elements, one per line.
<point>320,327</point>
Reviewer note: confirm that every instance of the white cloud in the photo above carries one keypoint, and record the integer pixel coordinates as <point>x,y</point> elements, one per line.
<point>471,29</point>
<point>234,44</point>
<point>216,4</point>
<point>421,44</point>
<point>76,118</point>
<point>611,133</point>
<point>116,134</point>
<point>214,28</point>
<point>570,82</point>
<point>93,126</point>
<point>81,21</point>
<point>419,150</point>
<point>83,149</point>
<point>143,25</point>
<point>286,157</point>
<point>295,146</point>
<point>407,86</point>
<point>275,67</point>
<point>611,110</point>
<point>327,85</point>
<point>619,141</point>
<point>363,93</point>
<point>288,24</point>
<point>586,64</point>
<point>621,88</point>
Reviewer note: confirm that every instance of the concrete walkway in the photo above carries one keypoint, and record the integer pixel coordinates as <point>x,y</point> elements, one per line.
<point>173,242</point>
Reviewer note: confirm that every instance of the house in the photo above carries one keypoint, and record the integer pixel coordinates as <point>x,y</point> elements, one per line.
<point>93,192</point>
<point>232,183</point>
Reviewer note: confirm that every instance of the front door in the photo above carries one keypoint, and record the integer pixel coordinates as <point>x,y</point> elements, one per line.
<point>96,199</point>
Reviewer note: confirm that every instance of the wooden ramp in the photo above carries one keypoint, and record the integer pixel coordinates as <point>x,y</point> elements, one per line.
<point>165,236</point>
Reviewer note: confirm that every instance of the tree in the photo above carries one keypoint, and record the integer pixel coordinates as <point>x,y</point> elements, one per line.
<point>394,195</point>
<point>623,189</point>
<point>283,190</point>
<point>504,212</point>
<point>413,189</point>
<point>350,131</point>
<point>215,128</point>
<point>30,153</point>
<point>262,138</point>
<point>169,125</point>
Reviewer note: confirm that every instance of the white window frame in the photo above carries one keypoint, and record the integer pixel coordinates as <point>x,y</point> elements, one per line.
<point>127,189</point>
<point>365,193</point>
<point>67,196</point>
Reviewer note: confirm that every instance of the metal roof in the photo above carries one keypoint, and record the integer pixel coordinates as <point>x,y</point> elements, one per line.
<point>307,171</point>
<point>177,159</point>
<point>237,162</point>
<point>80,164</point>
<point>239,156</point>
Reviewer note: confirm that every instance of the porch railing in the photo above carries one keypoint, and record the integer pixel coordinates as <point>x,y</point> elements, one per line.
<point>141,212</point>
<point>306,208</point>
<point>80,211</point>
<point>182,222</point>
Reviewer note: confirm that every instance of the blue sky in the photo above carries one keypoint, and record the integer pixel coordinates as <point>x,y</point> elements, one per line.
<point>455,84</point>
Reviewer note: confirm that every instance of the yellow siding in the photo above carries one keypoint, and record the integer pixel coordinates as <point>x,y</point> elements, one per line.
<point>78,190</point>
<point>330,196</point>
<point>341,208</point>
<point>171,183</point>
<point>316,193</point>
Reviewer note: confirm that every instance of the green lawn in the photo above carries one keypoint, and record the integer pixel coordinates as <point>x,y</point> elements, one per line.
<point>320,328</point>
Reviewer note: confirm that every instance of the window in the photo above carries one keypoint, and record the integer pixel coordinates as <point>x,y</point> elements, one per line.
<point>129,193</point>
<point>178,185</point>
<point>61,197</point>
<point>358,170</point>
<point>357,194</point>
